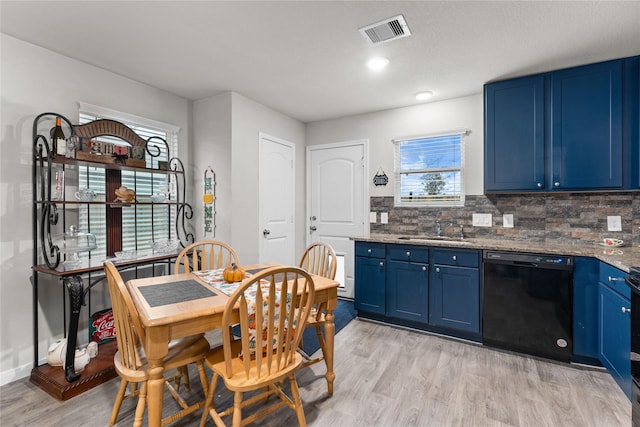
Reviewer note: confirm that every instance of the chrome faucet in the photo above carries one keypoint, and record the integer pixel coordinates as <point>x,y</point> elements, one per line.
<point>438,229</point>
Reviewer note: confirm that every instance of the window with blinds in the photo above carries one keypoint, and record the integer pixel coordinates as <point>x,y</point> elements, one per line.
<point>141,223</point>
<point>429,170</point>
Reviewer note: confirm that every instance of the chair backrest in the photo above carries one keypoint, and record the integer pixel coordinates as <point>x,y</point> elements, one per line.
<point>129,329</point>
<point>205,255</point>
<point>286,296</point>
<point>320,259</point>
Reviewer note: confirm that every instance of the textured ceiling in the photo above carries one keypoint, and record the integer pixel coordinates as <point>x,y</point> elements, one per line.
<point>306,58</point>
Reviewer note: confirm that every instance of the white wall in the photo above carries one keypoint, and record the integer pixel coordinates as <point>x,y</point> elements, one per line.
<point>212,147</point>
<point>382,126</point>
<point>33,81</point>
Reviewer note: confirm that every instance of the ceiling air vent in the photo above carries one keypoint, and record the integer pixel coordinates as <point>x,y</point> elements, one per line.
<point>387,30</point>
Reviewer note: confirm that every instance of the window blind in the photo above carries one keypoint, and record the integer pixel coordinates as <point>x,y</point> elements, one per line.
<point>429,170</point>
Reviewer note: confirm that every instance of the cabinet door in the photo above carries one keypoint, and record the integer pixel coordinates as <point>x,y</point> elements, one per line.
<point>369,284</point>
<point>514,135</point>
<point>454,300</point>
<point>585,307</point>
<point>614,336</point>
<point>586,127</point>
<point>407,291</point>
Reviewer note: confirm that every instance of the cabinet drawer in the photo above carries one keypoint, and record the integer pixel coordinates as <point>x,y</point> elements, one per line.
<point>369,249</point>
<point>456,257</point>
<point>614,278</point>
<point>409,253</point>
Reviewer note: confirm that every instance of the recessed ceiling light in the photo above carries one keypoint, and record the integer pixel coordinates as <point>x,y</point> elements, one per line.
<point>421,96</point>
<point>377,63</point>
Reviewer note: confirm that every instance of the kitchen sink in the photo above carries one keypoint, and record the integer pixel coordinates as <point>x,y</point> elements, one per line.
<point>435,239</point>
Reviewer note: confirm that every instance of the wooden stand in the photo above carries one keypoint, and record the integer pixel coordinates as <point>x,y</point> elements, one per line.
<point>99,370</point>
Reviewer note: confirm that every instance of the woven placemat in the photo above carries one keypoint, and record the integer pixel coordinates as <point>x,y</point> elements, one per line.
<point>175,292</point>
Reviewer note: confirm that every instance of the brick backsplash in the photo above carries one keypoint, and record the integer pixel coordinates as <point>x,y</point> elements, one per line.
<point>572,218</point>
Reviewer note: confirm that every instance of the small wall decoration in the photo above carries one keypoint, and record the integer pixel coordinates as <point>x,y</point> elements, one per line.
<point>380,177</point>
<point>208,199</point>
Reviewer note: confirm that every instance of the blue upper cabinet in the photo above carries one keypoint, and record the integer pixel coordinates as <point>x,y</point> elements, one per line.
<point>569,130</point>
<point>514,134</point>
<point>586,127</point>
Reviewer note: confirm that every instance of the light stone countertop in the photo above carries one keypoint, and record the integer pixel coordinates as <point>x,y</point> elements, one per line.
<point>622,257</point>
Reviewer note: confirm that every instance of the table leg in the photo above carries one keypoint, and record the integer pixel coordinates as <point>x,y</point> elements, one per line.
<point>329,332</point>
<point>75,289</point>
<point>157,347</point>
<point>155,391</point>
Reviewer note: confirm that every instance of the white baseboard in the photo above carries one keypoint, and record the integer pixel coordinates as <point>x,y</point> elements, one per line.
<point>15,374</point>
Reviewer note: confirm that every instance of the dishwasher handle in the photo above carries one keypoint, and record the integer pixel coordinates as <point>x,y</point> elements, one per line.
<point>526,264</point>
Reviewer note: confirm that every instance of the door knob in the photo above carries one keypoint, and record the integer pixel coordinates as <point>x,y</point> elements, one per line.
<point>266,232</point>
<point>312,218</point>
<point>313,228</point>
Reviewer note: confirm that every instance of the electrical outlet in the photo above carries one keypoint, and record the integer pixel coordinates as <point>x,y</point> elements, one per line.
<point>373,217</point>
<point>507,220</point>
<point>614,223</point>
<point>384,217</point>
<point>481,220</point>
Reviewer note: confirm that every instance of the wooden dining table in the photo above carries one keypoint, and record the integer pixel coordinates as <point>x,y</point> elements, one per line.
<point>166,321</point>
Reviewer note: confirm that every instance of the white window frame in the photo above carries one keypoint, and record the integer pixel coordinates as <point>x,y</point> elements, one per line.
<point>162,214</point>
<point>398,199</point>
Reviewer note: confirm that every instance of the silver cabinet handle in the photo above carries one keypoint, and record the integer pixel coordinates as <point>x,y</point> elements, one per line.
<point>455,258</point>
<point>556,184</point>
<point>539,185</point>
<point>381,264</point>
<point>368,250</point>
<point>437,269</point>
<point>408,253</point>
<point>626,310</point>
<point>614,279</point>
<point>424,268</point>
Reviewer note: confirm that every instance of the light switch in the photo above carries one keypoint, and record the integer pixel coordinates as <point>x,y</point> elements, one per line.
<point>481,220</point>
<point>373,217</point>
<point>384,217</point>
<point>507,220</point>
<point>614,223</point>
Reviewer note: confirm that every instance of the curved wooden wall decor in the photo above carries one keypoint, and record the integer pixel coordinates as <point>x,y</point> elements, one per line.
<point>106,127</point>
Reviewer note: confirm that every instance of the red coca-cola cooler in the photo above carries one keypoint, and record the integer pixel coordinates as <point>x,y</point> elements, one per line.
<point>102,329</point>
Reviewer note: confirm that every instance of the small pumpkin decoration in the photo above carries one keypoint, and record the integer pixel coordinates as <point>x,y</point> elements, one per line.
<point>233,273</point>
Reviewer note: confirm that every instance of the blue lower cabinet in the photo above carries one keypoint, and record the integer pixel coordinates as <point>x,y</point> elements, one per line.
<point>407,291</point>
<point>454,298</point>
<point>585,309</point>
<point>403,289</point>
<point>370,284</point>
<point>614,335</point>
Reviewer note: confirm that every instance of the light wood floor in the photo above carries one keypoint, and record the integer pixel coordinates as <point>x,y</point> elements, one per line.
<point>388,377</point>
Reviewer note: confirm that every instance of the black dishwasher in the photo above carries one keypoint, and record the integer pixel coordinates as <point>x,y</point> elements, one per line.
<point>527,303</point>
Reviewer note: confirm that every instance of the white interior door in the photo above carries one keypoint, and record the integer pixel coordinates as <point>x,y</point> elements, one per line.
<point>277,201</point>
<point>337,199</point>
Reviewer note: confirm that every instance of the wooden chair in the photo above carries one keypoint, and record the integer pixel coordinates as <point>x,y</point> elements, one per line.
<point>205,255</point>
<point>319,259</point>
<point>244,369</point>
<point>130,361</point>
